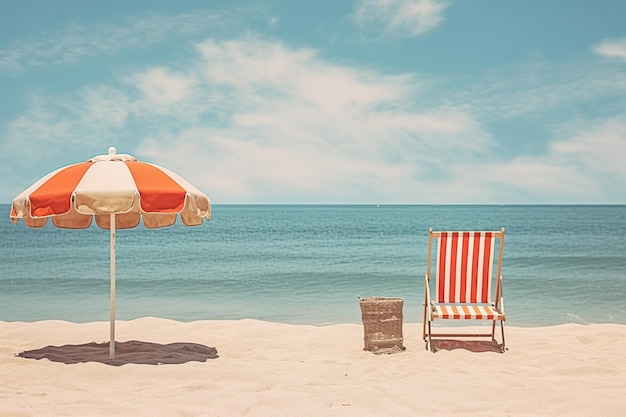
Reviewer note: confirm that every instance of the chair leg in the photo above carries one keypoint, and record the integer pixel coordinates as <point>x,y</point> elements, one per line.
<point>424,325</point>
<point>429,345</point>
<point>503,342</point>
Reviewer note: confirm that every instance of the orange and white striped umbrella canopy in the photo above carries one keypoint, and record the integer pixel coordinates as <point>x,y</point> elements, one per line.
<point>111,184</point>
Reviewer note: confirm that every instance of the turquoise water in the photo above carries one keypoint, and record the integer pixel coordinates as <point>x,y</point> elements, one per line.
<point>308,264</point>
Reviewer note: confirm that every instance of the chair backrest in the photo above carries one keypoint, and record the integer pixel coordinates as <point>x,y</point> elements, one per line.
<point>464,263</point>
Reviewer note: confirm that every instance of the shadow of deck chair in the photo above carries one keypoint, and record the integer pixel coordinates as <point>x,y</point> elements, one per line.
<point>465,287</point>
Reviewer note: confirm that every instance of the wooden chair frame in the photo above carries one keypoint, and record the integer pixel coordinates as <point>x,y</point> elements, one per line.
<point>496,308</point>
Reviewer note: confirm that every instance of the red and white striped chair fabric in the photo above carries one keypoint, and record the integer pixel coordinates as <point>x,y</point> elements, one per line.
<point>464,279</point>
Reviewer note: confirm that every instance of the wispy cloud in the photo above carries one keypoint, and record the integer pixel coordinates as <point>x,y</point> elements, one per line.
<point>62,123</point>
<point>398,18</point>
<point>612,48</point>
<point>73,44</point>
<point>536,87</point>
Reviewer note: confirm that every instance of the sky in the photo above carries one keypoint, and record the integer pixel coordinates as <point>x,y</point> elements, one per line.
<point>326,101</point>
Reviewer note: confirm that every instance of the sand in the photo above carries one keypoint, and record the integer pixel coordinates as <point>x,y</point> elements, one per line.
<point>269,369</point>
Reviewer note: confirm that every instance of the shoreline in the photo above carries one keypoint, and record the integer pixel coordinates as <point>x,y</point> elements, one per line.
<point>277,369</point>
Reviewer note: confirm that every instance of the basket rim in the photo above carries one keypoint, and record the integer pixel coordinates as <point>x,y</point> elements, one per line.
<point>370,299</point>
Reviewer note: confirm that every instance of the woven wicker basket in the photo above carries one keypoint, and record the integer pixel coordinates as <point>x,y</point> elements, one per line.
<point>382,324</point>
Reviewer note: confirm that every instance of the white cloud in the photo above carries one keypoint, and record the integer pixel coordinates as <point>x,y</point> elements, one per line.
<point>272,70</point>
<point>398,18</point>
<point>102,106</point>
<point>612,48</point>
<point>543,179</point>
<point>597,150</point>
<point>585,167</point>
<point>161,87</point>
<point>300,128</point>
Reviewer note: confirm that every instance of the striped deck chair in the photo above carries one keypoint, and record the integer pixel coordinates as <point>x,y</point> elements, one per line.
<point>464,284</point>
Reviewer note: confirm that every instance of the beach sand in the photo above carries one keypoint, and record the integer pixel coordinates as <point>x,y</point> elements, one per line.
<point>270,369</point>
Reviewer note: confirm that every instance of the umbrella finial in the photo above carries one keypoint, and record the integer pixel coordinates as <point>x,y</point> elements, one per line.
<point>113,156</point>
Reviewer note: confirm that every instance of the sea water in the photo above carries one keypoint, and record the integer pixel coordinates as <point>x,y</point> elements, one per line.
<point>307,264</point>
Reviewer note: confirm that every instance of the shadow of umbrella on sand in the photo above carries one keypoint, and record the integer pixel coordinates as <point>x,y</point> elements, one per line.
<point>133,351</point>
<point>117,191</point>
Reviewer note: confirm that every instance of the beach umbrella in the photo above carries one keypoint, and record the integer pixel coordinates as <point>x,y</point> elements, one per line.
<point>117,191</point>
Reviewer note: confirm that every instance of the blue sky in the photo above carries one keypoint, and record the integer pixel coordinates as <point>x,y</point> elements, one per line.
<point>364,101</point>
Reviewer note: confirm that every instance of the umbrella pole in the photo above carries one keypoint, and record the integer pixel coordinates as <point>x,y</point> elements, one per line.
<point>112,325</point>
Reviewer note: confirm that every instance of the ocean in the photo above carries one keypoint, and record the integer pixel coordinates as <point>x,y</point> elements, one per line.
<point>308,264</point>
